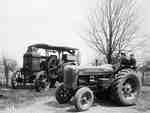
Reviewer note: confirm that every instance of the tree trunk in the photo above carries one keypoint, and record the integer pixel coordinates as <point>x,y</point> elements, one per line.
<point>6,76</point>
<point>6,70</point>
<point>109,59</point>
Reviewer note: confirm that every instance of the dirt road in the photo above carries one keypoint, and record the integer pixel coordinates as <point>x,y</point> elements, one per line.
<point>48,104</point>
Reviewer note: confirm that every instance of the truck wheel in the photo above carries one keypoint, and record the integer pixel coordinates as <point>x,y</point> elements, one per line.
<point>83,99</point>
<point>41,84</point>
<point>52,83</point>
<point>17,80</point>
<point>63,95</point>
<point>126,87</point>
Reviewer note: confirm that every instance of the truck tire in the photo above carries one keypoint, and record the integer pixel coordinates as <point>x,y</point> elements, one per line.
<point>125,89</point>
<point>83,99</point>
<point>17,80</point>
<point>41,83</point>
<point>63,95</point>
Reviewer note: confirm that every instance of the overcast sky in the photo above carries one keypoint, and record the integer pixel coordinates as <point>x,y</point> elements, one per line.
<point>56,22</point>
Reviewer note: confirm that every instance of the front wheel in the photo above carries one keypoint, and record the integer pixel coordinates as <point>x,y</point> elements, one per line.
<point>63,95</point>
<point>83,99</point>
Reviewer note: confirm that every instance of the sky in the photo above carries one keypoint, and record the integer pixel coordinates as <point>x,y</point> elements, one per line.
<point>55,22</point>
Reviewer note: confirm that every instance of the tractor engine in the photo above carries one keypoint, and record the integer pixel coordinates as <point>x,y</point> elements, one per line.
<point>70,76</point>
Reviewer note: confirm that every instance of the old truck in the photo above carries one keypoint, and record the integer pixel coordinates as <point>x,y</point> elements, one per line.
<point>43,65</point>
<point>83,83</point>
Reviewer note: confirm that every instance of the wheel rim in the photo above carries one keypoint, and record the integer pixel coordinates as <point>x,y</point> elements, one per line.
<point>130,89</point>
<point>86,99</point>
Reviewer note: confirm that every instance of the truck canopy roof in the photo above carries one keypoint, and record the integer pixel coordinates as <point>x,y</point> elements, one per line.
<point>50,47</point>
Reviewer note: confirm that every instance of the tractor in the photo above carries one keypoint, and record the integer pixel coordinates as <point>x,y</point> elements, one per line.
<point>43,66</point>
<point>82,84</point>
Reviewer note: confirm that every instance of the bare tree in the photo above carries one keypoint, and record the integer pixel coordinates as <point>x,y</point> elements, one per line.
<point>6,69</point>
<point>112,25</point>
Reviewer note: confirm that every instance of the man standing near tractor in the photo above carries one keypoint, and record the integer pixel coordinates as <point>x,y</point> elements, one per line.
<point>124,62</point>
<point>132,61</point>
<point>127,62</point>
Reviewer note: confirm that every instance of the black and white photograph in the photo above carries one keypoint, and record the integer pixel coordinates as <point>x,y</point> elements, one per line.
<point>74,56</point>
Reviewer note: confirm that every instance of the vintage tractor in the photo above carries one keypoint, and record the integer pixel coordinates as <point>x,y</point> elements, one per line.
<point>83,84</point>
<point>43,65</point>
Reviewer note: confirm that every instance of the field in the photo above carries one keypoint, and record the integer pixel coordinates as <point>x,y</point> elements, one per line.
<point>29,101</point>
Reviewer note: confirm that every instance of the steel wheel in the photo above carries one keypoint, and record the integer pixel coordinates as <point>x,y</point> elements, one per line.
<point>41,84</point>
<point>17,80</point>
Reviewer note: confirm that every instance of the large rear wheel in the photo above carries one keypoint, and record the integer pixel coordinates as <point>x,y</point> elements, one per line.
<point>125,90</point>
